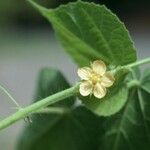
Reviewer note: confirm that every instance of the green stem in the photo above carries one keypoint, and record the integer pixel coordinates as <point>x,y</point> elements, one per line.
<point>133,83</point>
<point>52,110</point>
<point>38,106</point>
<point>141,62</point>
<point>24,112</point>
<point>132,65</point>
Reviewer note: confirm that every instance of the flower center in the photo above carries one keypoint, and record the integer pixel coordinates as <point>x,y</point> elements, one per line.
<point>95,78</point>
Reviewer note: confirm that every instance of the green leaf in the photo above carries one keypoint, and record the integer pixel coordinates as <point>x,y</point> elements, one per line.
<point>90,32</point>
<point>75,130</point>
<point>114,100</point>
<point>110,104</point>
<point>130,128</point>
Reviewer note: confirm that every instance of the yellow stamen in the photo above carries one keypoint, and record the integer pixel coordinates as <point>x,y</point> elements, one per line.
<point>95,78</point>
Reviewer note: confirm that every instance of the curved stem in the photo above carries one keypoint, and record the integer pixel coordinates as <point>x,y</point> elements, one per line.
<point>24,112</point>
<point>132,65</point>
<point>38,106</point>
<point>133,83</point>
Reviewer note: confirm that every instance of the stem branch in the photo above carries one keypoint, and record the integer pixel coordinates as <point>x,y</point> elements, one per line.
<point>141,62</point>
<point>38,106</point>
<point>24,112</point>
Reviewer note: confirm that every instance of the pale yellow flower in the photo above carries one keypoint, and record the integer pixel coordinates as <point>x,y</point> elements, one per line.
<point>95,80</point>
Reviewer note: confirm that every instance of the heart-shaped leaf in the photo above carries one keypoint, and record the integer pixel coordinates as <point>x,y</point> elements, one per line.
<point>90,32</point>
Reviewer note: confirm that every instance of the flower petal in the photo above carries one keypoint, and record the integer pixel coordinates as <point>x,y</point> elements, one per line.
<point>107,79</point>
<point>99,91</point>
<point>84,73</point>
<point>86,88</point>
<point>99,67</point>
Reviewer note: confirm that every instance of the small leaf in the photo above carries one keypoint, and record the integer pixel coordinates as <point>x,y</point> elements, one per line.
<point>114,100</point>
<point>75,130</point>
<point>111,104</point>
<point>91,32</point>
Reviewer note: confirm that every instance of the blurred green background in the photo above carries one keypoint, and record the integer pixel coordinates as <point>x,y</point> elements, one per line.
<point>27,43</point>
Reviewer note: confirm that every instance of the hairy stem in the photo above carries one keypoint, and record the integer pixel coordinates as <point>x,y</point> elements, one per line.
<point>38,106</point>
<point>24,112</point>
<point>141,62</point>
<point>132,65</point>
